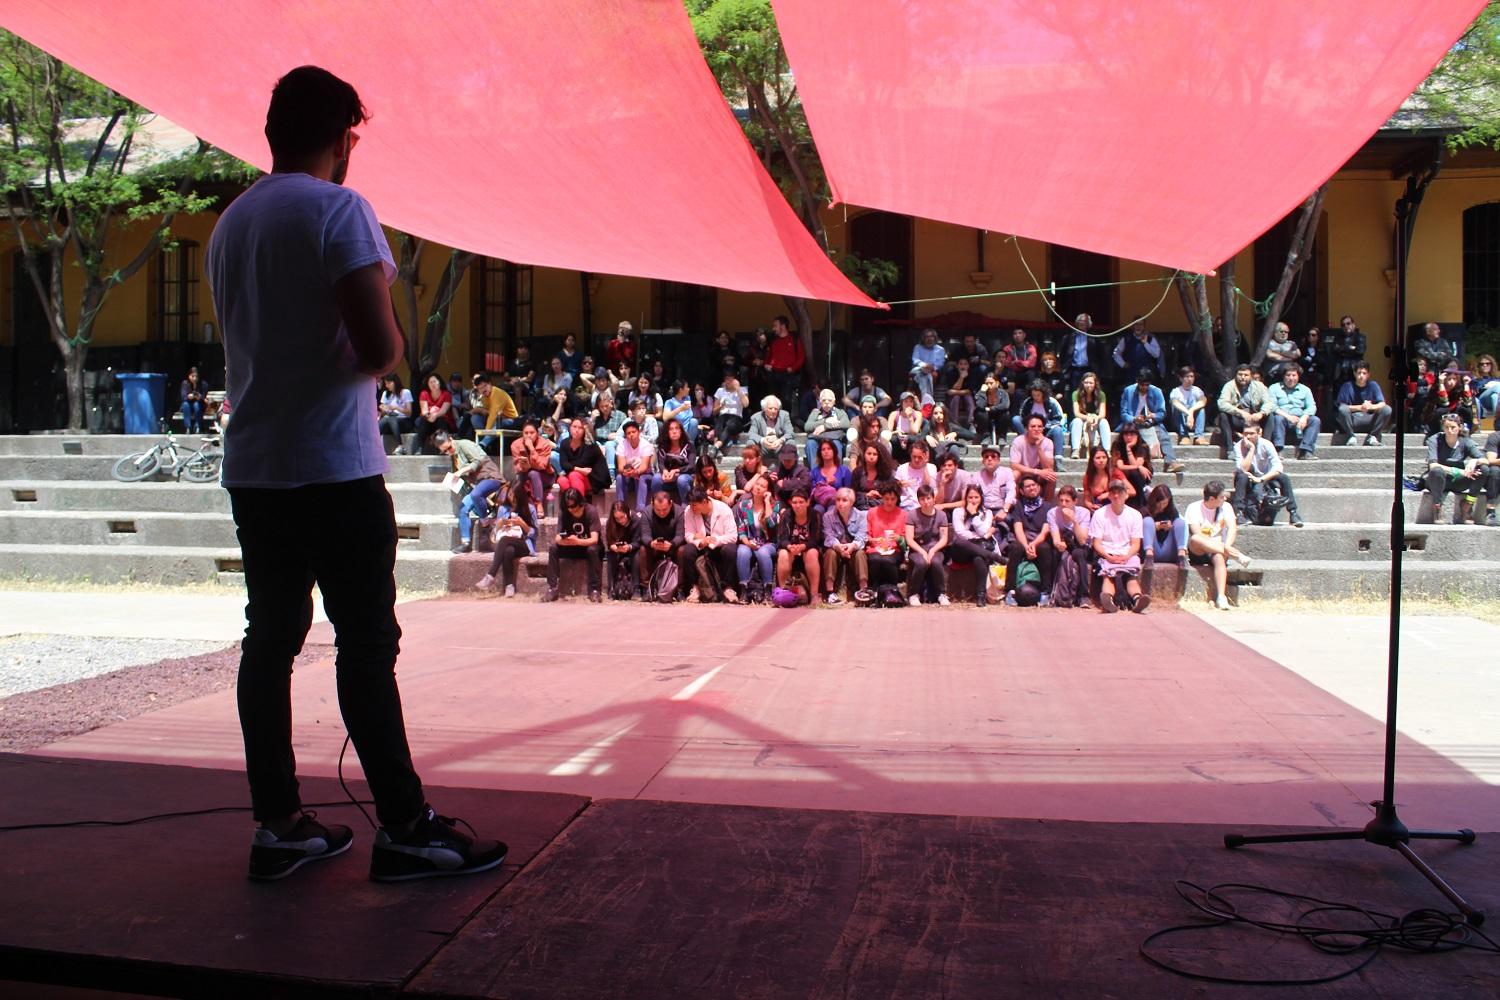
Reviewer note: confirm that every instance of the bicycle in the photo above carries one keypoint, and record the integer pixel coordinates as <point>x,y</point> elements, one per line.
<point>200,466</point>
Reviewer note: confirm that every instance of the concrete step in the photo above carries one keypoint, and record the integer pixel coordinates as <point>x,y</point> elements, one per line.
<point>1370,542</point>
<point>98,468</point>
<point>1328,578</point>
<point>416,569</point>
<point>87,444</point>
<point>410,498</point>
<point>177,529</point>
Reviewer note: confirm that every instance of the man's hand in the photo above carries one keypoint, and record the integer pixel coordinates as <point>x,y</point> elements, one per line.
<point>1302,422</point>
<point>1031,550</point>
<point>1047,475</point>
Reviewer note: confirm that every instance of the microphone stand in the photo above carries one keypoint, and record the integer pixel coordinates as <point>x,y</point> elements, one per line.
<point>1386,829</point>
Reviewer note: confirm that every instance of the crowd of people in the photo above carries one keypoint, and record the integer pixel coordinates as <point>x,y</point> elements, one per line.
<point>878,498</point>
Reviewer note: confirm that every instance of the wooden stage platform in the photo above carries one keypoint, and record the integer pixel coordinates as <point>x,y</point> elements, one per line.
<point>652,899</point>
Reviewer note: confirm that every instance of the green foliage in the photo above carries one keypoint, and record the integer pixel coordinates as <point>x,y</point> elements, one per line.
<point>868,274</point>
<point>1465,86</point>
<point>1481,339</point>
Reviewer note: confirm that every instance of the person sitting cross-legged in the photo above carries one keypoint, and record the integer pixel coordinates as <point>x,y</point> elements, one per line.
<point>799,543</point>
<point>1257,464</point>
<point>709,540</point>
<point>1294,414</point>
<point>844,537</point>
<point>975,537</point>
<point>1211,535</point>
<point>1029,541</point>
<point>578,537</point>
<point>1455,464</point>
<point>1115,533</point>
<point>926,537</point>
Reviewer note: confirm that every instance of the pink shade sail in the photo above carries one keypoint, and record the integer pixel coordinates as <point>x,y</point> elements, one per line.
<point>583,134</point>
<point>1169,131</point>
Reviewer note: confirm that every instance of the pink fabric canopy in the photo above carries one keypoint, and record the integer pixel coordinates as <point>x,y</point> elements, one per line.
<point>583,134</point>
<point>1171,131</point>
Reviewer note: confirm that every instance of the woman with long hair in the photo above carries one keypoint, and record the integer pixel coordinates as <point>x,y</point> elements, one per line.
<point>708,478</point>
<point>536,451</point>
<point>975,538</point>
<point>620,546</point>
<point>867,429</point>
<point>1094,493</point>
<point>1090,416</point>
<point>1164,534</point>
<point>395,408</point>
<point>942,436</point>
<point>756,514</point>
<point>513,529</point>
<point>1486,386</point>
<point>674,461</point>
<point>436,404</point>
<point>875,467</point>
<point>1453,393</point>
<point>904,426</point>
<point>1131,460</point>
<point>829,475</point>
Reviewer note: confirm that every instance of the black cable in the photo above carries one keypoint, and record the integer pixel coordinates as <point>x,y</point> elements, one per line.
<point>210,811</point>
<point>1423,931</point>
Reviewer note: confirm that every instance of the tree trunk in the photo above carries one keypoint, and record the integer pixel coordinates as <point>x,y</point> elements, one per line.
<point>1303,237</point>
<point>435,332</point>
<point>1228,355</point>
<point>803,319</point>
<point>73,359</point>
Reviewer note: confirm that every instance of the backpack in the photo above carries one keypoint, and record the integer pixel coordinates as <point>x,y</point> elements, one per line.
<point>621,578</point>
<point>1271,504</point>
<point>710,586</point>
<point>890,596</point>
<point>663,585</point>
<point>1067,588</point>
<point>1027,573</point>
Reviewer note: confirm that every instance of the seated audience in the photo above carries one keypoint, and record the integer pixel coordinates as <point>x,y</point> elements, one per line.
<point>1189,408</point>
<point>1115,533</point>
<point>865,388</point>
<point>757,514</point>
<point>945,437</point>
<point>926,537</point>
<point>1294,414</point>
<point>975,538</point>
<point>578,537</point>
<point>799,543</point>
<point>608,423</point>
<point>951,480</point>
<point>997,484</point>
<point>828,475</point>
<point>992,409</point>
<point>866,429</point>
<point>1455,464</point>
<point>1031,454</point>
<point>928,357</point>
<point>435,406</point>
<point>621,543</point>
<point>650,429</point>
<point>1130,459</point>
<point>192,394</point>
<point>708,478</point>
<point>1163,531</point>
<point>962,381</point>
<point>1212,530</point>
<point>674,460</point>
<point>885,529</point>
<point>730,403</point>
<point>709,541</point>
<point>916,472</point>
<point>904,426</point>
<point>828,423</point>
<point>645,393</point>
<point>1281,350</point>
<point>874,467</point>
<point>583,467</point>
<point>514,534</point>
<point>1030,534</point>
<point>395,409</point>
<point>660,537</point>
<point>679,407</point>
<point>751,467</point>
<point>1040,402</point>
<point>1486,386</point>
<point>789,474</point>
<point>1094,492</point>
<point>1257,466</point>
<point>491,408</point>
<point>1453,393</point>
<point>1143,405</point>
<point>844,537</point>
<point>1243,402</point>
<point>1362,408</point>
<point>771,428</point>
<point>472,466</point>
<point>1492,481</point>
<point>1069,523</point>
<point>1090,416</point>
<point>634,460</point>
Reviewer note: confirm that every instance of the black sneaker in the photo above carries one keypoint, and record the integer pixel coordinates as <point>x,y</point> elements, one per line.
<point>273,857</point>
<point>435,847</point>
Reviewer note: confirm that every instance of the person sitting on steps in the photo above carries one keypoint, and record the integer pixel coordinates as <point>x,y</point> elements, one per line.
<point>1455,464</point>
<point>1115,533</point>
<point>578,537</point>
<point>1211,535</point>
<point>1362,409</point>
<point>1258,464</point>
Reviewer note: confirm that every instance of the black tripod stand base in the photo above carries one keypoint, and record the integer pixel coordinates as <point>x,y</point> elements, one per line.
<point>1385,830</point>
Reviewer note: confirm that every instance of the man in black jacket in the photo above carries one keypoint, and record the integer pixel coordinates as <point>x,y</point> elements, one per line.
<point>660,536</point>
<point>1348,350</point>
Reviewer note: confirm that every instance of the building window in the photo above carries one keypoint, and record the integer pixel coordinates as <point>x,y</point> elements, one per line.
<point>503,311</point>
<point>177,292</point>
<point>690,308</point>
<point>1482,265</point>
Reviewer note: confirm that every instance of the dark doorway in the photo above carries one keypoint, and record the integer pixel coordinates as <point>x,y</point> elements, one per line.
<point>41,392</point>
<point>1482,265</point>
<point>882,236</point>
<point>1069,266</point>
<point>1302,309</point>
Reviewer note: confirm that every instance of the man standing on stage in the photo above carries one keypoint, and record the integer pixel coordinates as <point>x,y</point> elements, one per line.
<point>300,273</point>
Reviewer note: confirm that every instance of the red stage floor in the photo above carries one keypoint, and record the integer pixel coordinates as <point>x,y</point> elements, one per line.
<point>1004,713</point>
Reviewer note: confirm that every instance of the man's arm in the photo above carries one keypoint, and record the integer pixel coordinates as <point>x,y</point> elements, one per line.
<point>364,304</point>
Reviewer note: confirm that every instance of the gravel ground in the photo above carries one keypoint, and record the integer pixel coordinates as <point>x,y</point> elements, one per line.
<point>38,717</point>
<point>33,662</point>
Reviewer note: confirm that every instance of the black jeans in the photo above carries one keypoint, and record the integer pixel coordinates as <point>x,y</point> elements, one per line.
<point>588,552</point>
<point>687,566</point>
<point>507,557</point>
<point>1046,564</point>
<point>289,540</point>
<point>1247,494</point>
<point>923,572</point>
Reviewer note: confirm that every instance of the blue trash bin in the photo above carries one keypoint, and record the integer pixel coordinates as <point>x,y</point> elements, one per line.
<point>144,393</point>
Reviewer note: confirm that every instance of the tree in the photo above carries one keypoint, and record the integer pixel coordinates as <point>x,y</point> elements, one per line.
<point>742,46</point>
<point>424,351</point>
<point>1219,355</point>
<point>1464,89</point>
<point>72,177</point>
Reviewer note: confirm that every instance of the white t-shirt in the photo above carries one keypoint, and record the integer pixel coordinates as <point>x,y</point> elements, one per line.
<point>1202,522</point>
<point>1116,531</point>
<point>301,407</point>
<point>1187,397</point>
<point>624,453</point>
<point>729,402</point>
